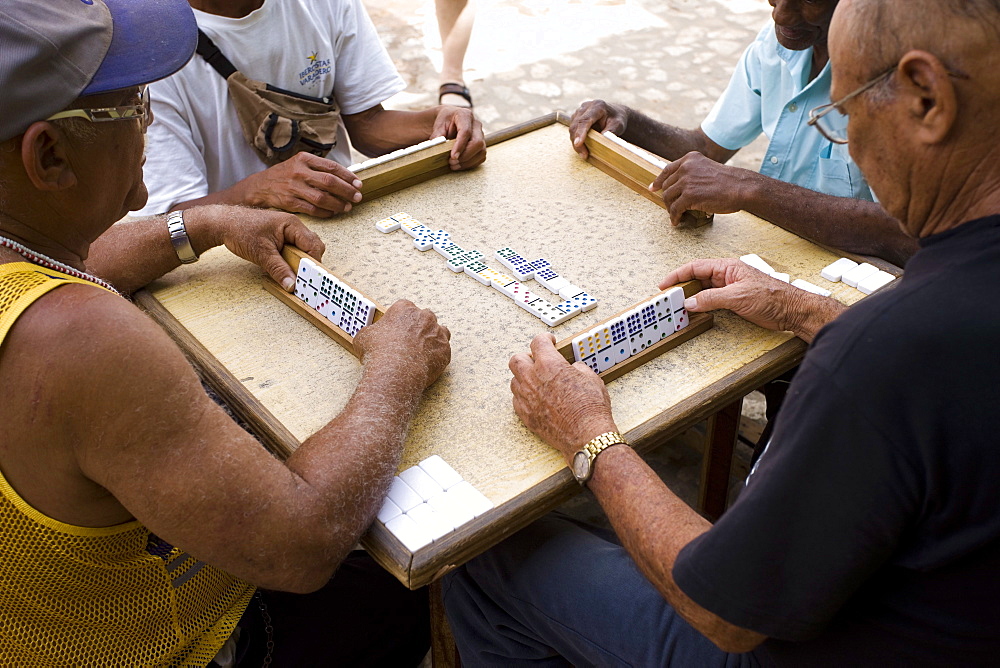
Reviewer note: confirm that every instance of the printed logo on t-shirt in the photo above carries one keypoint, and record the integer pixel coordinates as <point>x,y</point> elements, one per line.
<point>317,69</point>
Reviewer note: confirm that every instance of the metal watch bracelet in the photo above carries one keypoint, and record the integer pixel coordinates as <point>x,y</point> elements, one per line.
<point>179,238</point>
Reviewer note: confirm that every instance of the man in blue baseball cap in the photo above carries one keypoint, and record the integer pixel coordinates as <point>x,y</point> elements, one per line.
<point>139,524</point>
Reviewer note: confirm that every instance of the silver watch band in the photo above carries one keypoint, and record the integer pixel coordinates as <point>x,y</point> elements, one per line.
<point>179,237</point>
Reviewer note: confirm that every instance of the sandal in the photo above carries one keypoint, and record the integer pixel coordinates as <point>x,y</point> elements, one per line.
<point>455,89</point>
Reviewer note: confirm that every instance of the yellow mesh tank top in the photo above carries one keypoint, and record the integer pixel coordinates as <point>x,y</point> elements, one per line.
<point>109,596</point>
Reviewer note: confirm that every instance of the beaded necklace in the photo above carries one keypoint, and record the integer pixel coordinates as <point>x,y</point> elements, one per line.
<point>46,261</point>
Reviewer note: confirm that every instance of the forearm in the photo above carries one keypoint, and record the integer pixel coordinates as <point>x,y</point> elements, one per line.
<point>808,313</point>
<point>350,462</point>
<point>654,525</point>
<point>666,141</point>
<point>848,224</point>
<point>376,132</point>
<point>135,252</point>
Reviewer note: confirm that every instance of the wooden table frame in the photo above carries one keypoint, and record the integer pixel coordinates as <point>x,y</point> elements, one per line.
<point>719,403</point>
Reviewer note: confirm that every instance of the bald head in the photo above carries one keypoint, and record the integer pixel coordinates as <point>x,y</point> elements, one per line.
<point>956,30</point>
<point>926,134</point>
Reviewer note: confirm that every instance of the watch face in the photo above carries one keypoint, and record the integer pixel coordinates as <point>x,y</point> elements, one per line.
<point>581,465</point>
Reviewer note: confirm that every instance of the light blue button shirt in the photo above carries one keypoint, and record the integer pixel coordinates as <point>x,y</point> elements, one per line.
<point>770,92</point>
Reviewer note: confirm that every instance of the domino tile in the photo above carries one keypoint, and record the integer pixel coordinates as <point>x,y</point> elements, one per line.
<point>388,511</point>
<point>387,225</point>
<point>584,346</point>
<point>569,291</point>
<point>441,471</point>
<point>431,521</point>
<point>591,361</point>
<point>507,289</point>
<point>474,270</point>
<point>452,507</point>
<point>540,263</point>
<point>859,273</point>
<point>403,495</point>
<point>834,272</point>
<point>873,282</point>
<point>409,533</point>
<point>781,276</point>
<point>809,287</point>
<point>757,263</point>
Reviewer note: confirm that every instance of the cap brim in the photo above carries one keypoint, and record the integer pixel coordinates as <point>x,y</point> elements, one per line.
<point>152,39</point>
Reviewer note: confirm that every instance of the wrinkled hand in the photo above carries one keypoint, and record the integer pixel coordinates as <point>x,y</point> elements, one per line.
<point>304,183</point>
<point>407,340</point>
<point>256,235</point>
<point>565,404</point>
<point>698,183</point>
<point>747,292</point>
<point>600,116</point>
<point>459,124</point>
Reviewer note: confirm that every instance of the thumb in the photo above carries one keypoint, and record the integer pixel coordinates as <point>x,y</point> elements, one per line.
<point>276,267</point>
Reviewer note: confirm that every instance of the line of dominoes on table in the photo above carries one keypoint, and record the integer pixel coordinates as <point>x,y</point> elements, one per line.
<point>865,277</point>
<point>472,262</point>
<point>332,304</point>
<point>428,501</point>
<point>637,334</point>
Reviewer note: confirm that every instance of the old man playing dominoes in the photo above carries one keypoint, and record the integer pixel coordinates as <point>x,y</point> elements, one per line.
<point>141,523</point>
<point>806,183</point>
<point>868,533</point>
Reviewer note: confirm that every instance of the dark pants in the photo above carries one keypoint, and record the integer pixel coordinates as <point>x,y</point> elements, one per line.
<point>561,593</point>
<point>362,617</point>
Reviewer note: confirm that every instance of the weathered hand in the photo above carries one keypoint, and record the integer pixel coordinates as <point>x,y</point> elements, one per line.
<point>304,183</point>
<point>257,235</point>
<point>408,340</point>
<point>599,115</point>
<point>565,404</point>
<point>459,124</point>
<point>751,294</point>
<point>695,182</point>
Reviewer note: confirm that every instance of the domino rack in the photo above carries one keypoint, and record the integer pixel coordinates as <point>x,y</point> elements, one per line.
<point>633,170</point>
<point>292,256</point>
<point>414,165</point>
<point>697,324</point>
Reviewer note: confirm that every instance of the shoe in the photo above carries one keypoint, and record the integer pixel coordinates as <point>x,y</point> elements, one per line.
<point>455,89</point>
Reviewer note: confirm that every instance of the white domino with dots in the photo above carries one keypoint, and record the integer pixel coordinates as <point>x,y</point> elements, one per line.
<point>428,502</point>
<point>473,263</point>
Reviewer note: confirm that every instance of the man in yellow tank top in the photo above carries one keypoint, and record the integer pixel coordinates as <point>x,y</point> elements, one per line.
<point>139,525</point>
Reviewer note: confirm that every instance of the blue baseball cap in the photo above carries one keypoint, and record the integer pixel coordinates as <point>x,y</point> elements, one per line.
<point>59,50</point>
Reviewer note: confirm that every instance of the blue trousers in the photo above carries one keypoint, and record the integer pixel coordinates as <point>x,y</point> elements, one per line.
<point>561,593</point>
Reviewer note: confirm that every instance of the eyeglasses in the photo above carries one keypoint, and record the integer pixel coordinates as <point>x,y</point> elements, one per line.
<point>131,112</point>
<point>837,135</point>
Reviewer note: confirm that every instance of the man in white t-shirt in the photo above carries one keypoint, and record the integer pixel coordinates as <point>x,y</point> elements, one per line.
<point>196,152</point>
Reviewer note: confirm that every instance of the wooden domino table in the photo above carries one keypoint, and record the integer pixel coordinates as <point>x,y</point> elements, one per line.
<point>533,193</point>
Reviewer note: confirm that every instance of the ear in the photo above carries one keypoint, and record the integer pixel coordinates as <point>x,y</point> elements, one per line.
<point>930,95</point>
<point>45,156</point>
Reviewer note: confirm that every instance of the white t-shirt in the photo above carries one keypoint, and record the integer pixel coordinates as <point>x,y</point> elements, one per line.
<point>195,145</point>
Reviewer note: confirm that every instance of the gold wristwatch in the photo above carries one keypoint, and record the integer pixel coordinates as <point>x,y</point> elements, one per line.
<point>583,460</point>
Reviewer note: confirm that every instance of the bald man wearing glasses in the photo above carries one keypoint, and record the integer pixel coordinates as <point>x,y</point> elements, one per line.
<point>868,533</point>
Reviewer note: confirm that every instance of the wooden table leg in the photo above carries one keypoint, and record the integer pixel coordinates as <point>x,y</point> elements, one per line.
<point>717,461</point>
<point>444,653</point>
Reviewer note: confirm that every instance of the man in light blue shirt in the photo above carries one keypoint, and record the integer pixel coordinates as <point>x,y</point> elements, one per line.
<point>806,183</point>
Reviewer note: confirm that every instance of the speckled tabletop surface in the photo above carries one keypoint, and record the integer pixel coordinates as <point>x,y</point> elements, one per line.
<point>536,195</point>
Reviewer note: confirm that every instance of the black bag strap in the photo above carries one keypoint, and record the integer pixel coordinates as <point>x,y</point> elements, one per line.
<point>210,52</point>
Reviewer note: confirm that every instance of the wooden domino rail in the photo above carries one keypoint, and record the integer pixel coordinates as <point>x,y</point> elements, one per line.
<point>405,171</point>
<point>697,323</point>
<point>292,256</point>
<point>633,171</point>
